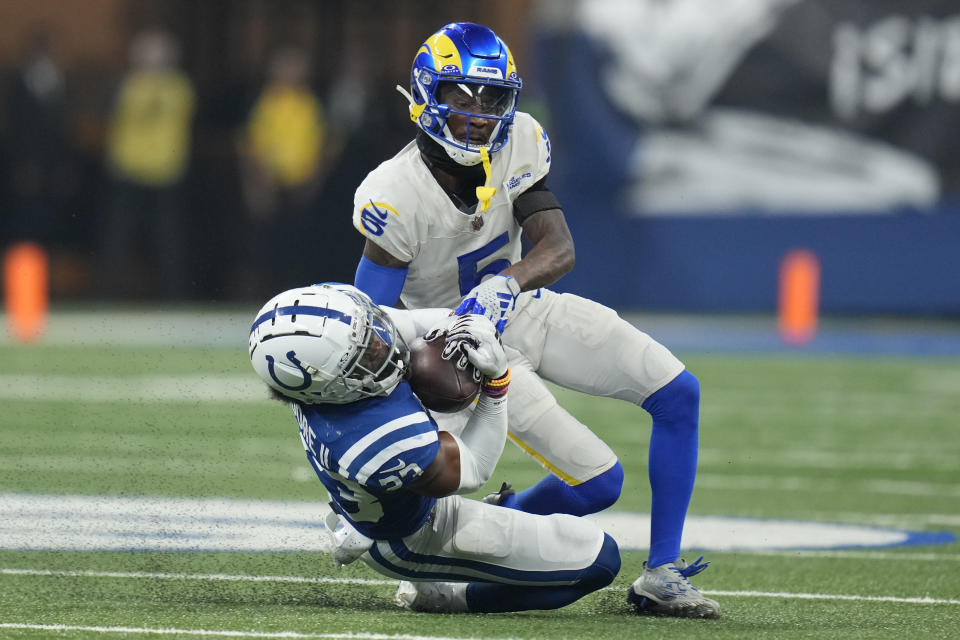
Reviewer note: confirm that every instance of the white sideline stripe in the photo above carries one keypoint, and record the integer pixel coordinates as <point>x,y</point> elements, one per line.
<point>829,596</point>
<point>192,576</point>
<point>371,582</point>
<point>224,632</point>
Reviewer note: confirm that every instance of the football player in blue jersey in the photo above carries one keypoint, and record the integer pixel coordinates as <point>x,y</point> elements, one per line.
<point>443,221</point>
<point>394,477</point>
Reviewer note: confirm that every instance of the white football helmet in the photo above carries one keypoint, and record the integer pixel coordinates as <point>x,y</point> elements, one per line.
<point>327,343</point>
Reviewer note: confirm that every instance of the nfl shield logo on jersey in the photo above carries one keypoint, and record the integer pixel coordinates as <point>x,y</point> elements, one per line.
<point>477,223</point>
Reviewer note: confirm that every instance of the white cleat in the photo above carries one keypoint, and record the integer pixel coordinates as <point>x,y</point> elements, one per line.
<point>432,597</point>
<point>666,591</point>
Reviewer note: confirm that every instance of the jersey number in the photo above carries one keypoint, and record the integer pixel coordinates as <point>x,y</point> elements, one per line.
<point>470,274</point>
<point>357,501</point>
<point>394,482</point>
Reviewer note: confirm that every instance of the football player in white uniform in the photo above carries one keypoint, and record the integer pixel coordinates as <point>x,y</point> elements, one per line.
<point>393,477</point>
<point>443,221</point>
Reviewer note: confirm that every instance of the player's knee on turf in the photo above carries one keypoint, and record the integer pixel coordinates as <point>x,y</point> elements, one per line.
<point>604,569</point>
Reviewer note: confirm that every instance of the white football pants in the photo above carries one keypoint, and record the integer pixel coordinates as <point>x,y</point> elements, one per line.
<point>467,540</point>
<point>581,345</point>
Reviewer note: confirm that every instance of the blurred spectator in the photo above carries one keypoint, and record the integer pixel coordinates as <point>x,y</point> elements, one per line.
<point>369,121</point>
<point>283,155</point>
<point>148,152</point>
<point>39,149</point>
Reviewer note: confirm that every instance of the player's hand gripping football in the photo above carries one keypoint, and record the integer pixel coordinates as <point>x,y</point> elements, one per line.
<point>474,339</point>
<point>494,298</point>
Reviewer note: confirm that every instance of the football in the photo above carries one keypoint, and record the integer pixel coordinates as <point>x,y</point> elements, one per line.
<point>440,384</point>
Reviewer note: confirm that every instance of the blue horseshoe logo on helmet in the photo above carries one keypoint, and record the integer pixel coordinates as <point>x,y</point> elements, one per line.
<point>292,357</point>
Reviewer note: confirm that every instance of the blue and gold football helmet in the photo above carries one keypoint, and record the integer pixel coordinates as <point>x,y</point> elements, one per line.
<point>463,68</point>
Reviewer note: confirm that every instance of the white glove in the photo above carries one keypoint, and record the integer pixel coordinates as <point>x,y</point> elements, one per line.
<point>440,325</point>
<point>473,338</point>
<point>494,298</point>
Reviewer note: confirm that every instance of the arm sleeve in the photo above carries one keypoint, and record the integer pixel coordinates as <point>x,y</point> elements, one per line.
<point>382,284</point>
<point>481,442</point>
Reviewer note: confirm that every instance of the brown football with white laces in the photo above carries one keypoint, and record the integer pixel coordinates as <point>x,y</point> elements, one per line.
<point>440,384</point>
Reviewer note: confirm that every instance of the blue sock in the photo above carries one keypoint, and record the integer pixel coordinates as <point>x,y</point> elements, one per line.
<point>672,463</point>
<point>553,495</point>
<point>484,597</point>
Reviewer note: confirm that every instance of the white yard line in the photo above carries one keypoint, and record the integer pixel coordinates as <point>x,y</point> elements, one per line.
<point>372,582</point>
<point>815,484</point>
<point>864,459</point>
<point>227,325</point>
<point>829,596</point>
<point>222,577</point>
<point>181,466</point>
<point>230,388</point>
<point>238,387</point>
<point>223,633</point>
<point>146,327</point>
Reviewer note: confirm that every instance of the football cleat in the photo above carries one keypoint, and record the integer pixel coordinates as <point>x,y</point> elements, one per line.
<point>346,543</point>
<point>666,591</point>
<point>497,498</point>
<point>432,597</point>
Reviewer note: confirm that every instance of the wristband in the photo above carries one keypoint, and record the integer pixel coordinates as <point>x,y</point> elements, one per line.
<point>497,387</point>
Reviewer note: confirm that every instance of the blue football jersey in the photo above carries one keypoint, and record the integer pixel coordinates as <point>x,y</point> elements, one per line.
<point>366,453</point>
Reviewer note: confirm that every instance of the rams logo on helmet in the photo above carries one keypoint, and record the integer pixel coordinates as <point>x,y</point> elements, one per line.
<point>466,54</point>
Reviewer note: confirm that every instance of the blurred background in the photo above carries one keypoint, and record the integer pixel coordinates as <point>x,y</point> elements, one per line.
<point>190,152</point>
<point>767,187</point>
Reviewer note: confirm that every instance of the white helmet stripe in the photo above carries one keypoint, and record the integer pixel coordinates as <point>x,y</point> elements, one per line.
<point>309,344</point>
<point>298,310</point>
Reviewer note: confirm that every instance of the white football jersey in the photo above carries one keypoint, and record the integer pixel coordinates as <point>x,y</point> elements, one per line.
<point>401,208</point>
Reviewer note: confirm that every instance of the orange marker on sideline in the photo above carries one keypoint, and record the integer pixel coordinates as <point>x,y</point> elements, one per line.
<point>25,290</point>
<point>799,296</point>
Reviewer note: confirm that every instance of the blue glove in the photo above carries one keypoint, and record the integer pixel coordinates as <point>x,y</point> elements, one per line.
<point>494,298</point>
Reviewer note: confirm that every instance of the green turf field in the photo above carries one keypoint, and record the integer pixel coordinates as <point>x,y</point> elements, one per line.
<point>863,441</point>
